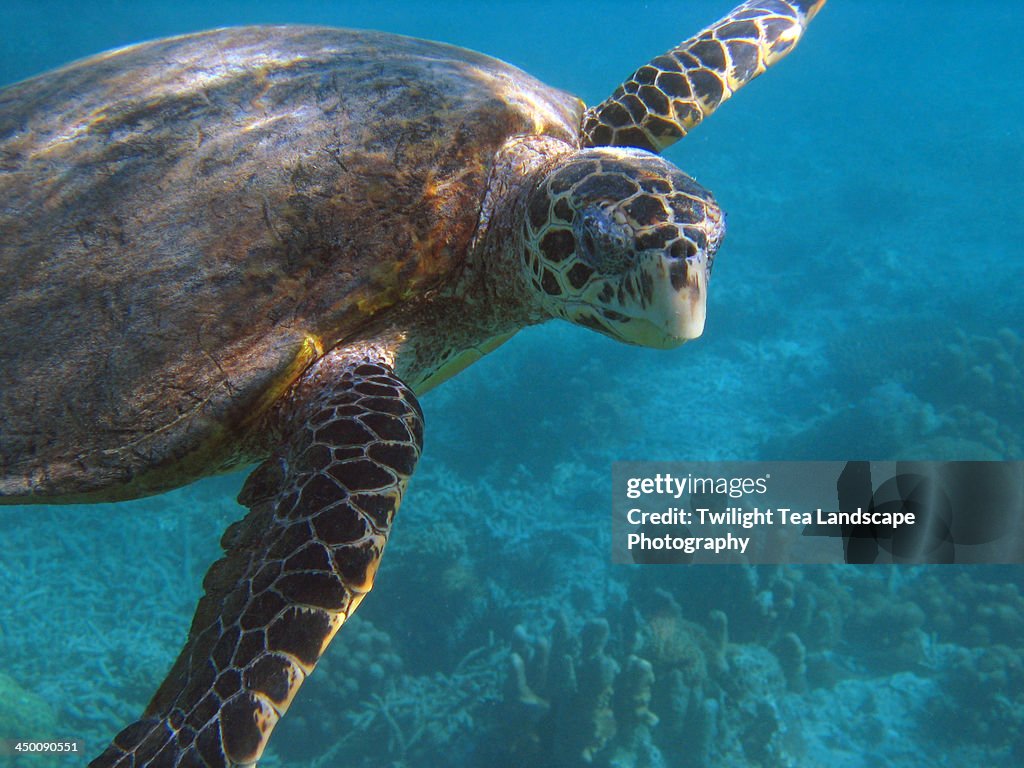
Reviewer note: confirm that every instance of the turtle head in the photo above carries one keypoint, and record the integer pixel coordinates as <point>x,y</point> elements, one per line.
<point>621,241</point>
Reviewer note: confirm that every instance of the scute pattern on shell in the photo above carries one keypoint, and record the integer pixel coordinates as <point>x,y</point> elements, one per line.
<point>189,222</point>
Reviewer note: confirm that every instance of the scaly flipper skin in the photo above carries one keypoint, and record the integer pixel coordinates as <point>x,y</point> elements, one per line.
<point>296,567</point>
<point>663,100</point>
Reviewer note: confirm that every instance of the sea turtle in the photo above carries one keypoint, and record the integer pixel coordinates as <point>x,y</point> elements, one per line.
<point>261,244</point>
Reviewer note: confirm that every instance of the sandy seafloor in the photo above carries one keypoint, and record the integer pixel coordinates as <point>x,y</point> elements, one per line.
<point>866,304</point>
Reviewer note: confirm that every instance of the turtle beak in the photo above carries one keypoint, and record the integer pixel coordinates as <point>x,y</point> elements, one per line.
<point>669,297</point>
<point>675,306</point>
<point>679,304</point>
<point>671,302</point>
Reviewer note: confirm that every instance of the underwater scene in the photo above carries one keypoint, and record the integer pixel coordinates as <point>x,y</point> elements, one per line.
<point>866,304</point>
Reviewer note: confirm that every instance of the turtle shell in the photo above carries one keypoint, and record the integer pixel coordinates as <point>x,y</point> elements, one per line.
<point>187,223</point>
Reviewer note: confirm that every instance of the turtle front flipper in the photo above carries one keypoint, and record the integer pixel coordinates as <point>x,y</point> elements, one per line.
<point>664,99</point>
<point>295,568</point>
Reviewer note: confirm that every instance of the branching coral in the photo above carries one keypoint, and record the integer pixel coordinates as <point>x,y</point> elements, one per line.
<point>582,705</point>
<point>363,707</point>
<point>645,690</point>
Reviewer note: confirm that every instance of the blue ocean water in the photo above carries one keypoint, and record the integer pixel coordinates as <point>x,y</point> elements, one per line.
<point>866,304</point>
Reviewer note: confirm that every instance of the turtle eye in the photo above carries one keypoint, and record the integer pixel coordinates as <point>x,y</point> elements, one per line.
<point>602,242</point>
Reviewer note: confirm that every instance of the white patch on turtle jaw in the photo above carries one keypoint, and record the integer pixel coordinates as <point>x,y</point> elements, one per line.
<point>677,315</point>
<point>667,320</point>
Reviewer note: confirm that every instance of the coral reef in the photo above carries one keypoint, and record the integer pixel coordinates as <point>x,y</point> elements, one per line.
<point>991,369</point>
<point>434,590</point>
<point>365,707</point>
<point>656,690</point>
<point>113,589</point>
<point>908,395</point>
<point>570,702</point>
<point>983,697</point>
<point>358,666</point>
<point>970,610</point>
<point>783,698</point>
<point>887,632</point>
<point>739,667</point>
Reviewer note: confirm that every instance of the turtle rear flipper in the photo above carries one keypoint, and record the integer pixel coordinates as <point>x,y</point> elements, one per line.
<point>295,568</point>
<point>664,99</point>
